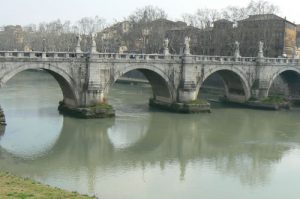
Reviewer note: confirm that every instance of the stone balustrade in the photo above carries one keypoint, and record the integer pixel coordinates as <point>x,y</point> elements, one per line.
<point>150,57</point>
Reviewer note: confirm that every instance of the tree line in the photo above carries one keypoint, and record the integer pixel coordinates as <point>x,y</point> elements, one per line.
<point>62,35</point>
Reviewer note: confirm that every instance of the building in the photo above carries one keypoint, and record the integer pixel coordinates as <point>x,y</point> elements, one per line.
<point>137,37</point>
<point>298,36</point>
<point>12,37</point>
<point>17,32</point>
<point>176,37</point>
<point>278,35</point>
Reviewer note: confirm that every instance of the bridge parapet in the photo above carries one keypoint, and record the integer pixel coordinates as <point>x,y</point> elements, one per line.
<point>155,57</point>
<point>222,59</point>
<point>280,61</point>
<point>40,54</point>
<point>109,56</point>
<point>129,56</point>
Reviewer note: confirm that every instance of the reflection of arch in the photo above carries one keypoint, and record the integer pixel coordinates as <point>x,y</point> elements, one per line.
<point>290,75</point>
<point>158,80</point>
<point>235,82</point>
<point>125,133</point>
<point>20,139</point>
<point>64,80</point>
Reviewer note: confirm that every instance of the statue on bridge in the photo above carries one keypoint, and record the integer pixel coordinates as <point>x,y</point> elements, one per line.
<point>260,49</point>
<point>237,49</point>
<point>166,47</point>
<point>295,53</point>
<point>94,45</point>
<point>78,48</point>
<point>187,41</point>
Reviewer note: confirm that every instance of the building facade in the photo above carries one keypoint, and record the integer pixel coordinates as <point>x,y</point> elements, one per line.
<point>298,36</point>
<point>278,34</point>
<point>142,37</point>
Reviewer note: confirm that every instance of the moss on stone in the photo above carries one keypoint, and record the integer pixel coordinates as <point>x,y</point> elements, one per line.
<point>198,101</point>
<point>274,100</point>
<point>101,106</point>
<point>102,110</point>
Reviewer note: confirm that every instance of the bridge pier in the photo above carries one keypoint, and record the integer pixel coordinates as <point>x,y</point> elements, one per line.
<point>94,106</point>
<point>2,118</point>
<point>186,101</point>
<point>2,121</point>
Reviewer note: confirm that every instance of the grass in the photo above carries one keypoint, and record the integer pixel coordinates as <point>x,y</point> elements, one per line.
<point>13,187</point>
<point>103,106</point>
<point>273,100</point>
<point>198,101</point>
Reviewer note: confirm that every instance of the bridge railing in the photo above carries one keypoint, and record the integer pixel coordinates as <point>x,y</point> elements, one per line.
<point>281,60</point>
<point>39,54</point>
<point>222,59</point>
<point>153,57</point>
<point>57,55</point>
<point>132,56</point>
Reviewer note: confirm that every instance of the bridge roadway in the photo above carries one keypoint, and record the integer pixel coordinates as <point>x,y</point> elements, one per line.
<point>86,78</point>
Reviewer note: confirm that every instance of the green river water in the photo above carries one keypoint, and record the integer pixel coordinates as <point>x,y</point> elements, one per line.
<point>146,153</point>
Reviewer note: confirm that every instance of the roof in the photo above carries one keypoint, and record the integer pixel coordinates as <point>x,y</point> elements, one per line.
<point>169,22</point>
<point>186,28</point>
<point>262,17</point>
<point>223,21</point>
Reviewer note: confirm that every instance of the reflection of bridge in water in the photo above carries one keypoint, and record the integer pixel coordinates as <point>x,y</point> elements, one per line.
<point>233,150</point>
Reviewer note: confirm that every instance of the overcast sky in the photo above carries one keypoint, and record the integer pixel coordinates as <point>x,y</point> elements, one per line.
<point>34,11</point>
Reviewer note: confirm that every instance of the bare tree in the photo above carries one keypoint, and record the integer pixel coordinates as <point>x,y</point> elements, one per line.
<point>190,19</point>
<point>147,14</point>
<point>88,25</point>
<point>203,18</point>
<point>234,14</point>
<point>253,8</point>
<point>206,17</point>
<point>261,7</point>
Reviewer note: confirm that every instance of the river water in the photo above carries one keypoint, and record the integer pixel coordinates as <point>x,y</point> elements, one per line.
<point>146,153</point>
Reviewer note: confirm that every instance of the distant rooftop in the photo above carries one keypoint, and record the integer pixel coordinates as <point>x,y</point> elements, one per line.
<point>262,17</point>
<point>223,21</point>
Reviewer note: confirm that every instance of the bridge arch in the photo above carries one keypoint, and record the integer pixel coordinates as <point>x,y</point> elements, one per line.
<point>159,81</point>
<point>236,85</point>
<point>290,76</point>
<point>65,82</point>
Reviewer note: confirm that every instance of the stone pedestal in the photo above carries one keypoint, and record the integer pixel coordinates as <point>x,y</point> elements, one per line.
<point>192,107</point>
<point>89,112</point>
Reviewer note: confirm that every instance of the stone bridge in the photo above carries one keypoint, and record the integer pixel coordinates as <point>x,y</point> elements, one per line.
<point>86,77</point>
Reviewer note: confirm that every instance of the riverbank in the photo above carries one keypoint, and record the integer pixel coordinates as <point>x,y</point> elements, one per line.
<point>15,187</point>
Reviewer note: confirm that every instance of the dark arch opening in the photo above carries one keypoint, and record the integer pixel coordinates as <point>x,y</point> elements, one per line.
<point>69,96</point>
<point>225,85</point>
<point>158,84</point>
<point>68,93</point>
<point>286,85</point>
<point>143,85</point>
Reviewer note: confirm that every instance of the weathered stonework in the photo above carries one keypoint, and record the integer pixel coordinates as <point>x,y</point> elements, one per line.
<point>93,112</point>
<point>86,78</point>
<point>181,107</point>
<point>256,104</point>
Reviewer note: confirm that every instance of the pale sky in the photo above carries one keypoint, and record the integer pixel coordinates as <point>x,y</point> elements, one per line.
<point>24,12</point>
